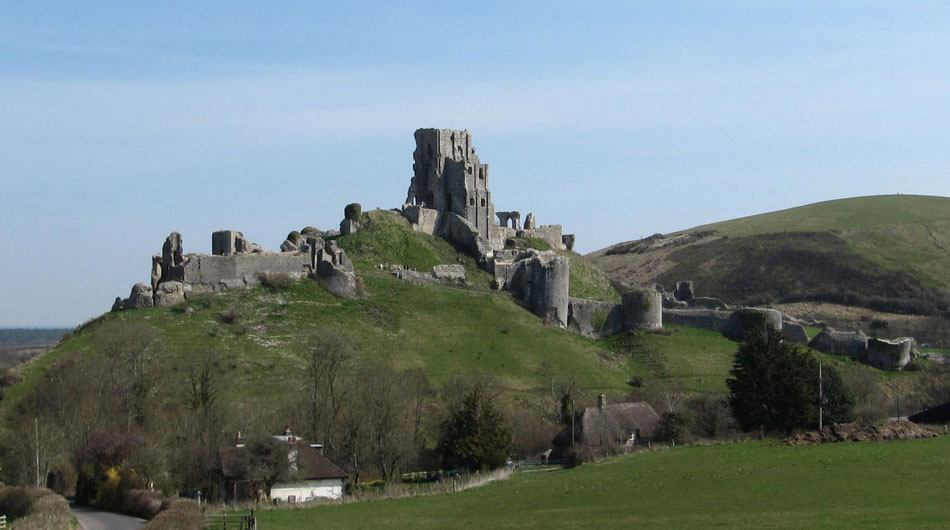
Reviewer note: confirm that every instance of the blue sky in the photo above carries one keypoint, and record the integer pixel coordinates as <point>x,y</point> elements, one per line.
<point>123,121</point>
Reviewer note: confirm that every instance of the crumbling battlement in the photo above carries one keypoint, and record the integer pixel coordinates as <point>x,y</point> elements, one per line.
<point>236,263</point>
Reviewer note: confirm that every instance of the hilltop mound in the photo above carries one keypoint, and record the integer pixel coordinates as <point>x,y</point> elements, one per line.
<point>887,252</point>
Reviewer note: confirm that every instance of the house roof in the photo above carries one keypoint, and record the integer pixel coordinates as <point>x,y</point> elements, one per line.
<point>938,414</point>
<point>310,464</point>
<point>612,423</point>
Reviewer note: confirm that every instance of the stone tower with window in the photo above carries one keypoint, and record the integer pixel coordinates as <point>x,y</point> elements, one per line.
<point>449,177</point>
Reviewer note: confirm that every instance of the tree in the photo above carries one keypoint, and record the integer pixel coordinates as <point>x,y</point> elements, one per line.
<point>129,349</point>
<point>327,356</point>
<point>475,435</point>
<point>267,461</point>
<point>774,386</point>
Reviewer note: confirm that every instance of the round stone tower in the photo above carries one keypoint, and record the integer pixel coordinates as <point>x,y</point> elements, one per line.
<point>642,310</point>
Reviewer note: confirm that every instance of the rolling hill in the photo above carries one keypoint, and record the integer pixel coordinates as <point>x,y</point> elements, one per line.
<point>888,252</point>
<point>262,335</point>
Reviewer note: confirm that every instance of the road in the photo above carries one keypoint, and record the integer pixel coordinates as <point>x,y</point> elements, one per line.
<point>92,519</point>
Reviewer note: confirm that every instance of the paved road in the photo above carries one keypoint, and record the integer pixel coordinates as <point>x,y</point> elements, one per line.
<point>92,519</point>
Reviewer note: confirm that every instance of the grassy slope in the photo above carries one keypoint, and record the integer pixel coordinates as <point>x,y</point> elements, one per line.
<point>882,239</point>
<point>900,232</point>
<point>447,331</point>
<point>843,214</point>
<point>743,485</point>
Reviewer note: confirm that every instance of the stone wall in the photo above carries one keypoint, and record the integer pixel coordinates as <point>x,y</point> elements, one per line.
<point>207,273</point>
<point>852,344</point>
<point>237,264</point>
<point>732,324</point>
<point>420,218</point>
<point>890,354</point>
<point>594,319</point>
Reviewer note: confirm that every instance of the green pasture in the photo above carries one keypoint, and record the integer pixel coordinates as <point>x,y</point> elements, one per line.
<point>752,485</point>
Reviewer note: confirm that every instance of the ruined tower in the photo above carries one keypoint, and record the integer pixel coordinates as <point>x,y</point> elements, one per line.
<point>449,177</point>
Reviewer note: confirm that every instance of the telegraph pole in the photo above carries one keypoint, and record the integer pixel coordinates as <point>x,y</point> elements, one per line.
<point>36,447</point>
<point>821,398</point>
<point>572,422</point>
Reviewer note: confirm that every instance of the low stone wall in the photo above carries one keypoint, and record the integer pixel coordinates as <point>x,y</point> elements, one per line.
<point>732,324</point>
<point>710,319</point>
<point>594,319</point>
<point>852,344</point>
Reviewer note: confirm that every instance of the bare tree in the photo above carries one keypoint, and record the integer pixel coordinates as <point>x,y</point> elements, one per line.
<point>327,357</point>
<point>129,349</point>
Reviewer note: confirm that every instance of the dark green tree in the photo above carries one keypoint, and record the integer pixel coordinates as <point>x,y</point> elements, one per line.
<point>837,400</point>
<point>774,386</point>
<point>475,436</point>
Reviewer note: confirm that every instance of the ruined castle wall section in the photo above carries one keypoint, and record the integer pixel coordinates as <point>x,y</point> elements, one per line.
<point>594,319</point>
<point>206,273</point>
<point>552,234</point>
<point>421,219</point>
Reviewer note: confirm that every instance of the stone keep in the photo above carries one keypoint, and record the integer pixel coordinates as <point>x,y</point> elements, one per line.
<point>449,177</point>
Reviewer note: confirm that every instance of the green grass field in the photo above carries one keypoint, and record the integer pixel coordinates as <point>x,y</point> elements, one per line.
<point>750,485</point>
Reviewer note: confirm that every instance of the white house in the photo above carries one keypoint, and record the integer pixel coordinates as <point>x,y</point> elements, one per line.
<point>312,476</point>
<point>315,476</point>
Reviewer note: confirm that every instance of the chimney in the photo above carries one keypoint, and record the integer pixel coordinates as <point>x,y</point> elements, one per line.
<point>601,401</point>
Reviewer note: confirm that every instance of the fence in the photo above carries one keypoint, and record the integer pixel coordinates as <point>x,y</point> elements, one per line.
<point>228,521</point>
<point>3,522</point>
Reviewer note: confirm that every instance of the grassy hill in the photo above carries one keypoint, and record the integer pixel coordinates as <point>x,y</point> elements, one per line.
<point>262,335</point>
<point>889,252</point>
<point>740,485</point>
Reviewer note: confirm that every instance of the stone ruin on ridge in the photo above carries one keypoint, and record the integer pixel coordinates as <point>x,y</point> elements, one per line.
<point>449,196</point>
<point>236,263</point>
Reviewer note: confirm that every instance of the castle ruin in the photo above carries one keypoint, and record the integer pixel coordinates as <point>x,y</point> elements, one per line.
<point>449,196</point>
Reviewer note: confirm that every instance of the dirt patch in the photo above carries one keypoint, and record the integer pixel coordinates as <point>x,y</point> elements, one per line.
<point>863,432</point>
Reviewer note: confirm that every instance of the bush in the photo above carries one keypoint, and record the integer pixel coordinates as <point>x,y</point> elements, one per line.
<point>293,236</point>
<point>672,427</point>
<point>230,316</point>
<point>47,512</point>
<point>16,501</point>
<point>353,211</point>
<point>177,514</point>
<point>475,436</point>
<point>275,281</point>
<point>710,415</point>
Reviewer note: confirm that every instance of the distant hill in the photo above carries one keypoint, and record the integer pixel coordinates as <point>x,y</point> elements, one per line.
<point>888,252</point>
<point>31,337</point>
